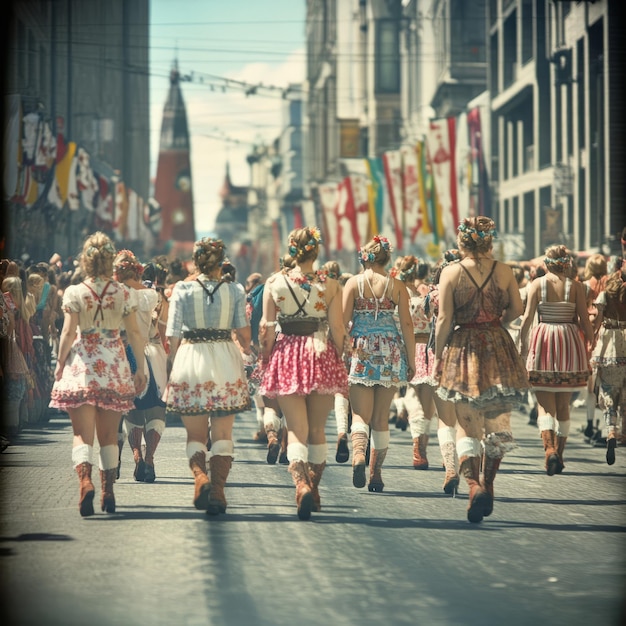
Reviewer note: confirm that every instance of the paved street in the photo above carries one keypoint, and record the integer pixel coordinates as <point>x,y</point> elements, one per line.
<point>551,553</point>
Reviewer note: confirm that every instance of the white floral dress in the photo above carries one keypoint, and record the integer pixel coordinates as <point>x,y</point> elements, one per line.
<point>97,371</point>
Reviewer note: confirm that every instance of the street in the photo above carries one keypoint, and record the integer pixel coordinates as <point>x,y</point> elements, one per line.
<point>551,553</point>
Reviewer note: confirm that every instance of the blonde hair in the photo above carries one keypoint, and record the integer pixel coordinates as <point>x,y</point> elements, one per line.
<point>208,254</point>
<point>304,243</point>
<point>407,268</point>
<point>476,234</point>
<point>595,267</point>
<point>97,256</point>
<point>376,251</point>
<point>332,269</point>
<point>34,284</point>
<point>13,285</point>
<point>558,259</point>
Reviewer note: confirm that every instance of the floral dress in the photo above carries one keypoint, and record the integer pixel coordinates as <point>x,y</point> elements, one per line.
<point>422,326</point>
<point>378,353</point>
<point>480,363</point>
<point>299,365</point>
<point>97,371</point>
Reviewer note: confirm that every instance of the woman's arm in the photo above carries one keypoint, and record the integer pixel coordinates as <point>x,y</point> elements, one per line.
<point>68,335</point>
<point>446,310</point>
<point>267,325</point>
<point>335,315</point>
<point>515,308</point>
<point>347,298</point>
<point>583,312</point>
<point>137,343</point>
<point>406,325</point>
<point>244,336</point>
<point>529,315</point>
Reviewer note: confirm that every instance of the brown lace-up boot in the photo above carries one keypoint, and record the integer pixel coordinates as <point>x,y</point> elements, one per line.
<point>549,445</point>
<point>273,444</point>
<point>420,460</point>
<point>135,437</point>
<point>315,476</point>
<point>376,465</point>
<point>359,449</point>
<point>220,468</point>
<point>304,498</point>
<point>478,497</point>
<point>490,468</point>
<point>451,480</point>
<point>197,463</point>
<point>560,448</point>
<point>152,441</point>
<point>87,490</point>
<point>107,500</point>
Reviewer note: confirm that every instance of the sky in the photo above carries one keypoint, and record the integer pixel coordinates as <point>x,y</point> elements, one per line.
<point>252,41</point>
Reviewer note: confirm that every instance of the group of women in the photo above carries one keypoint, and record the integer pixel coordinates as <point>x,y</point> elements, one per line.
<point>319,340</point>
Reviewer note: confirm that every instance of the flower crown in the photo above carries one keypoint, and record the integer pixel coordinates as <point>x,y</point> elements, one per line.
<point>476,234</point>
<point>130,263</point>
<point>298,251</point>
<point>365,256</point>
<point>560,263</point>
<point>206,248</point>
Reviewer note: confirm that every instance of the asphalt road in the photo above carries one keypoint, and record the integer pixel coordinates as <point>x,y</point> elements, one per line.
<point>552,552</point>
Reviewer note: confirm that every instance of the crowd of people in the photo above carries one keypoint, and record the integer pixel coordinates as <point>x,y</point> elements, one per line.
<point>119,345</point>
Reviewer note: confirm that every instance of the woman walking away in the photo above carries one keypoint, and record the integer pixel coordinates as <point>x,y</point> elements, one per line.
<point>208,379</point>
<point>383,358</point>
<point>557,359</point>
<point>609,356</point>
<point>479,367</point>
<point>304,367</point>
<point>147,419</point>
<point>93,381</point>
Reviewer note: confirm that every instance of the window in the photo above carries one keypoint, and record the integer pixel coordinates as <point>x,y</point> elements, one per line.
<point>387,57</point>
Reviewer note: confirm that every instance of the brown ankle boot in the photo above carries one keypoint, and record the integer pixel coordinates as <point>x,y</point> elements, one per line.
<point>273,444</point>
<point>152,441</point>
<point>315,476</point>
<point>420,460</point>
<point>377,458</point>
<point>107,499</point>
<point>360,441</point>
<point>197,463</point>
<point>478,497</point>
<point>304,498</point>
<point>282,458</point>
<point>220,468</point>
<point>402,420</point>
<point>135,437</point>
<point>560,447</point>
<point>549,445</point>
<point>87,490</point>
<point>490,468</point>
<point>451,480</point>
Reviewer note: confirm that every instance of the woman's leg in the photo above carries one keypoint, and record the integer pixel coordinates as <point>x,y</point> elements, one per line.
<point>222,454</point>
<point>446,435</point>
<point>83,425</point>
<point>155,426</point>
<point>342,405</point>
<point>107,425</point>
<point>546,421</point>
<point>380,435</point>
<point>318,408</point>
<point>362,405</point>
<point>421,412</point>
<point>563,422</point>
<point>197,427</point>
<point>135,423</point>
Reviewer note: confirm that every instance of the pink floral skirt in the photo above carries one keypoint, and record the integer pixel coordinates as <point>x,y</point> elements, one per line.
<point>424,359</point>
<point>296,367</point>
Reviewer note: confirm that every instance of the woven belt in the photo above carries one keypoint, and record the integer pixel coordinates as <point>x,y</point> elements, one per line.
<point>203,335</point>
<point>422,337</point>
<point>491,324</point>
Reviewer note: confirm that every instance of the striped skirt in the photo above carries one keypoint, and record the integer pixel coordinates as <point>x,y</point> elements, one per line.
<point>557,358</point>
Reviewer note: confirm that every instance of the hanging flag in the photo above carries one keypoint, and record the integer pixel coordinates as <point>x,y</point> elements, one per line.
<point>384,219</point>
<point>424,184</point>
<point>441,150</point>
<point>371,199</point>
<point>463,167</point>
<point>481,191</point>
<point>360,186</point>
<point>346,217</point>
<point>329,199</point>
<point>392,162</point>
<point>121,210</point>
<point>413,222</point>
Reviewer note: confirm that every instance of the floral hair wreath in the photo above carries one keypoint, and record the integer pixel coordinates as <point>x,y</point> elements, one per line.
<point>561,262</point>
<point>315,240</point>
<point>476,234</point>
<point>107,247</point>
<point>207,247</point>
<point>130,263</point>
<point>383,242</point>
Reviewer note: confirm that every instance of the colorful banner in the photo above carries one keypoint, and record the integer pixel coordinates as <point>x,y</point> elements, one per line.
<point>392,162</point>
<point>481,191</point>
<point>413,222</point>
<point>329,199</point>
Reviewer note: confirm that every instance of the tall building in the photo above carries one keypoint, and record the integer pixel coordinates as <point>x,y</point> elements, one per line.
<point>173,188</point>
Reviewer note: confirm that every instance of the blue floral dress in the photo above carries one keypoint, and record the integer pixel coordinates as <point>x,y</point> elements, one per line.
<point>378,352</point>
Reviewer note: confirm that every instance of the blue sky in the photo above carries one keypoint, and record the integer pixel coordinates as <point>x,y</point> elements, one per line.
<point>247,40</point>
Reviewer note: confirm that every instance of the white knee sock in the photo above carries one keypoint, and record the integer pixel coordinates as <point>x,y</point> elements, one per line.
<point>446,434</point>
<point>418,423</point>
<point>108,457</point>
<point>317,453</point>
<point>341,413</point>
<point>84,454</point>
<point>195,446</point>
<point>380,439</point>
<point>360,427</point>
<point>297,452</point>
<point>468,446</point>
<point>156,425</point>
<point>562,428</point>
<point>546,422</point>
<point>271,419</point>
<point>258,403</point>
<point>223,447</point>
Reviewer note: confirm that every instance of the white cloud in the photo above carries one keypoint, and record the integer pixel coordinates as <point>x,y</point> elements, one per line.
<point>252,119</point>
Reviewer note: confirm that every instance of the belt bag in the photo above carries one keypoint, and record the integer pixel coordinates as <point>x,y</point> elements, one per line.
<point>300,325</point>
